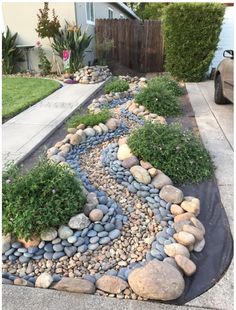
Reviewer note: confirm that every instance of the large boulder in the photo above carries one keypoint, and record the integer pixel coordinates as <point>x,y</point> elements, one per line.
<point>111,284</point>
<point>140,174</point>
<point>112,124</point>
<point>161,180</point>
<point>75,286</point>
<point>191,204</point>
<point>157,280</point>
<point>124,152</point>
<point>79,221</point>
<point>171,194</point>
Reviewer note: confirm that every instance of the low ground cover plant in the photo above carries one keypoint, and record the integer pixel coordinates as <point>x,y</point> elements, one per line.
<point>19,93</point>
<point>89,119</point>
<point>46,196</point>
<point>173,150</point>
<point>116,86</point>
<point>158,98</point>
<point>170,83</point>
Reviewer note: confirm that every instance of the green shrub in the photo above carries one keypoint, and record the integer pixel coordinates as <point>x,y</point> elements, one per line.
<point>116,86</point>
<point>72,38</point>
<point>191,33</point>
<point>157,98</point>
<point>10,53</point>
<point>46,196</point>
<point>170,83</point>
<point>89,119</point>
<point>177,152</point>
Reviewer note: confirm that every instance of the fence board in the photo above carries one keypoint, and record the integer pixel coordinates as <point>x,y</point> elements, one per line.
<point>139,46</point>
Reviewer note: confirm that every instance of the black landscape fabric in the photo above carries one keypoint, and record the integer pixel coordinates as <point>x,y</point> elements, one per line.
<point>217,254</point>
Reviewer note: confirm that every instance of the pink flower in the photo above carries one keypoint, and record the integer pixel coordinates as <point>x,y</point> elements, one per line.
<point>38,44</point>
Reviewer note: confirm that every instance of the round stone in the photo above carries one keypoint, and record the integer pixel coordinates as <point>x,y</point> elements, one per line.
<point>70,251</point>
<point>58,255</point>
<point>48,255</point>
<point>140,174</point>
<point>94,239</point>
<point>83,248</point>
<point>114,234</point>
<point>98,227</point>
<point>58,247</point>
<point>79,241</point>
<point>104,240</point>
<point>48,247</point>
<point>49,235</point>
<point>65,232</point>
<point>72,239</point>
<point>16,245</point>
<point>93,246</point>
<point>95,215</point>
<point>79,222</point>
<point>92,233</point>
<point>124,152</point>
<point>109,227</point>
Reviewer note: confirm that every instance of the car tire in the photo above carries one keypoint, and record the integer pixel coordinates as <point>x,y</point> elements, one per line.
<point>219,97</point>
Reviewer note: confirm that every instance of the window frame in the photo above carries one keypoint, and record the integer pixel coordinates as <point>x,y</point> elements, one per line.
<point>110,10</point>
<point>89,21</point>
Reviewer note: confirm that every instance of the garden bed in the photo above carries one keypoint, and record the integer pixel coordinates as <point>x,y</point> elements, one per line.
<point>129,226</point>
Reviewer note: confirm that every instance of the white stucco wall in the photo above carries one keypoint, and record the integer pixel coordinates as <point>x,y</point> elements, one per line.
<point>226,40</point>
<point>21,17</point>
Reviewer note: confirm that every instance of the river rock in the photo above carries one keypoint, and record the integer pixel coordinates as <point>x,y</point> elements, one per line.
<point>98,129</point>
<point>89,132</point>
<point>64,232</point>
<point>199,245</point>
<point>176,209</point>
<point>140,174</point>
<point>6,242</point>
<point>122,140</point>
<point>196,232</point>
<point>184,238</point>
<point>157,280</point>
<point>175,249</point>
<point>146,165</point>
<point>124,152</point>
<point>171,194</point>
<point>197,224</point>
<point>161,180</point>
<point>185,264</point>
<point>49,235</point>
<point>103,127</point>
<point>153,172</point>
<point>111,284</point>
<point>130,162</point>
<point>75,139</point>
<point>112,124</point>
<point>191,204</point>
<point>96,215</point>
<point>178,226</point>
<point>44,280</point>
<point>75,286</point>
<point>79,221</point>
<point>183,217</point>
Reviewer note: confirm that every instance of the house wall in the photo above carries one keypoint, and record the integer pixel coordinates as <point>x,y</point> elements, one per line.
<point>100,11</point>
<point>226,40</point>
<point>21,17</point>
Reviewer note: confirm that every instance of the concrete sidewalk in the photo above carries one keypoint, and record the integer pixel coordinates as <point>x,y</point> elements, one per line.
<point>215,123</point>
<point>25,132</point>
<point>216,128</point>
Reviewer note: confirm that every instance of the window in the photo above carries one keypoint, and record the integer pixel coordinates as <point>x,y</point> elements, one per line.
<point>90,13</point>
<point>122,16</point>
<point>110,13</point>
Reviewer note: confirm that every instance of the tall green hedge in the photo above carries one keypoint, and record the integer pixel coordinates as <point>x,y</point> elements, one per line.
<point>191,33</point>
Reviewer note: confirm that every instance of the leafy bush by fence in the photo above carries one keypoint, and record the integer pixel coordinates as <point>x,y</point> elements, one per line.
<point>191,33</point>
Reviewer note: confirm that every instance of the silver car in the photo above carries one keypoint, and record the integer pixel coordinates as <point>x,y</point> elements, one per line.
<point>224,79</point>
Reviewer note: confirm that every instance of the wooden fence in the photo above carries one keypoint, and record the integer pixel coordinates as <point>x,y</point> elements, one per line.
<point>138,46</point>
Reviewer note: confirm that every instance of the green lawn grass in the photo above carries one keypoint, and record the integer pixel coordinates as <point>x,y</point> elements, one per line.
<point>18,93</point>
